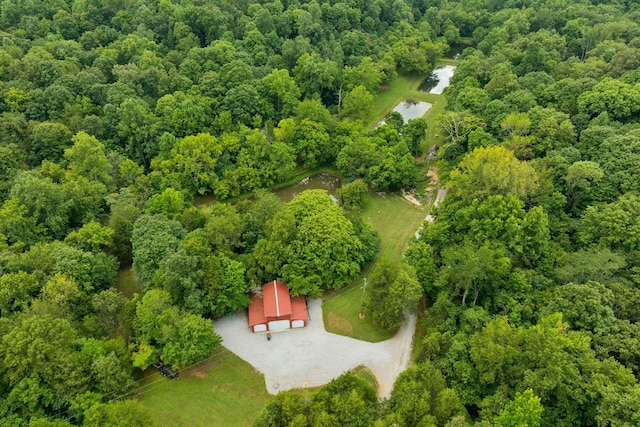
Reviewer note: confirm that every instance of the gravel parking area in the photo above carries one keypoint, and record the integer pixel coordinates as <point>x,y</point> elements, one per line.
<point>311,356</point>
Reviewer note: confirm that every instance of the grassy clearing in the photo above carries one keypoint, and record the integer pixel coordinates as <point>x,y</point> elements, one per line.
<point>421,330</point>
<point>366,374</point>
<point>396,222</point>
<point>224,391</point>
<point>340,312</point>
<point>127,284</point>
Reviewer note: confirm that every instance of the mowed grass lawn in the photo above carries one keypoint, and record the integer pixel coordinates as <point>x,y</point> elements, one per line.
<point>224,391</point>
<point>396,222</point>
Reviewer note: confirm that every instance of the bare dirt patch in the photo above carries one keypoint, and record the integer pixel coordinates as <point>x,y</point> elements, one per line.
<point>409,198</point>
<point>432,174</point>
<point>338,323</point>
<point>197,373</point>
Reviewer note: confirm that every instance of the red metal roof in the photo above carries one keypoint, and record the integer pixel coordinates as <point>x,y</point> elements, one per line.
<point>276,300</point>
<point>256,312</point>
<point>299,309</point>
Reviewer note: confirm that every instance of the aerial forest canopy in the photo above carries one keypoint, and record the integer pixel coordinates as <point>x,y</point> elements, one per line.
<point>115,116</point>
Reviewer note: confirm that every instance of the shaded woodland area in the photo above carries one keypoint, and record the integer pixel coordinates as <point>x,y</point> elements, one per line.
<point>114,115</point>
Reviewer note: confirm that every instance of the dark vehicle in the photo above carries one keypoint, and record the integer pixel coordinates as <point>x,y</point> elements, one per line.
<point>166,369</point>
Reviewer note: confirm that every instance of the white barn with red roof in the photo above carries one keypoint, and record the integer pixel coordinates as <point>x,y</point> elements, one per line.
<point>276,310</point>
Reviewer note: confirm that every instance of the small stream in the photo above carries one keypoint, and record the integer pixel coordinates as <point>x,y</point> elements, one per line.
<point>321,181</point>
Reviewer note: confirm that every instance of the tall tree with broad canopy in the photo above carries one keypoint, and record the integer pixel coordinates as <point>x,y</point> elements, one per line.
<point>310,244</point>
<point>154,238</point>
<point>491,171</point>
<point>393,293</point>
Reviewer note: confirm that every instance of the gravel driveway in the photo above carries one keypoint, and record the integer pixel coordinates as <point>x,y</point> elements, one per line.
<point>312,356</point>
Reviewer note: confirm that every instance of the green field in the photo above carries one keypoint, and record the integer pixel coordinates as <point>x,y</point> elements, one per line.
<point>224,391</point>
<point>396,222</point>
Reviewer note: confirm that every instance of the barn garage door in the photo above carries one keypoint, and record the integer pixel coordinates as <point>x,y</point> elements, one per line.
<point>279,325</point>
<point>297,324</point>
<point>260,328</point>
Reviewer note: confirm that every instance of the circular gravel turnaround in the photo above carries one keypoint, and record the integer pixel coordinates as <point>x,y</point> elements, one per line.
<point>311,356</point>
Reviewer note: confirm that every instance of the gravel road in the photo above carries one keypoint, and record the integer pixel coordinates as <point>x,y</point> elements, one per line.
<point>312,356</point>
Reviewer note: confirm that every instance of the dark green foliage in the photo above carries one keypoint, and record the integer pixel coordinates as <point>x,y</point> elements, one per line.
<point>393,292</point>
<point>165,332</point>
<point>118,413</point>
<point>120,107</point>
<point>346,400</point>
<point>153,238</point>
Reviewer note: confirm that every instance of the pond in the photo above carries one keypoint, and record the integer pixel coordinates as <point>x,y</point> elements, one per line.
<point>409,109</point>
<point>321,181</point>
<point>438,81</point>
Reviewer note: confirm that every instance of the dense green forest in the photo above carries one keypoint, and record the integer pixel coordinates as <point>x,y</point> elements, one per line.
<point>114,115</point>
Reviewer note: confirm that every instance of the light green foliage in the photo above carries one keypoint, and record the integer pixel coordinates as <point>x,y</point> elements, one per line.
<point>420,256</point>
<point>585,307</point>
<point>170,203</point>
<point>194,341</point>
<point>366,73</point>
<point>16,224</point>
<point>523,411</point>
<point>91,271</point>
<point>618,157</point>
<point>282,89</point>
<point>559,375</point>
<point>383,165</point>
<point>16,291</point>
<point>45,202</point>
<point>91,237</point>
<point>493,170</point>
<point>63,295</point>
<point>597,264</point>
<point>143,86</point>
<point>473,273</point>
<point>88,159</point>
<point>312,144</point>
<point>315,75</point>
<point>48,141</point>
<point>456,127</point>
